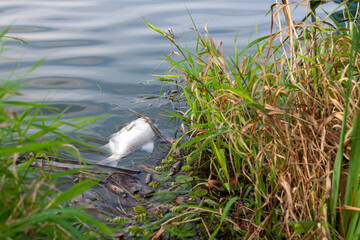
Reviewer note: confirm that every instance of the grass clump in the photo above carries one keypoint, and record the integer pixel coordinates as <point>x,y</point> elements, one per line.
<point>276,127</point>
<point>32,206</point>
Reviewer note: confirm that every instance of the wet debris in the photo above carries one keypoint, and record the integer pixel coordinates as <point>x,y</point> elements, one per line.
<point>68,164</point>
<point>94,204</point>
<point>148,178</point>
<point>148,169</point>
<point>176,166</point>
<point>129,182</point>
<point>115,189</point>
<point>119,235</point>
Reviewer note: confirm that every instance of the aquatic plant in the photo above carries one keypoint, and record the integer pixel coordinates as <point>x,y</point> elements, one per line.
<point>32,206</point>
<point>277,126</point>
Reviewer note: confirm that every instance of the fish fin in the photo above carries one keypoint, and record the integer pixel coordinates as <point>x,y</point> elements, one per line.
<point>110,161</point>
<point>148,147</point>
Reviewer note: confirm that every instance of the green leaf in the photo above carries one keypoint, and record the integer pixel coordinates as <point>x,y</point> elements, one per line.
<point>352,184</point>
<point>198,192</point>
<point>303,227</point>
<point>156,29</point>
<point>337,169</point>
<point>183,178</point>
<point>88,219</point>
<point>164,176</point>
<point>223,216</point>
<point>164,196</point>
<point>211,203</point>
<point>29,147</point>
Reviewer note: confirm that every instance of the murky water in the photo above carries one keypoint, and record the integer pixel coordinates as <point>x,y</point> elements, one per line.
<point>101,52</point>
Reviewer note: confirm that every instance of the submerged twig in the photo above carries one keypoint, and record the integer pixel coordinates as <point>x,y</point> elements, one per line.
<point>95,164</point>
<point>154,128</point>
<point>16,38</point>
<point>148,169</point>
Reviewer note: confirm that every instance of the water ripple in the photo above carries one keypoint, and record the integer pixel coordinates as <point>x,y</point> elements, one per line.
<point>58,82</point>
<point>98,52</point>
<point>66,43</point>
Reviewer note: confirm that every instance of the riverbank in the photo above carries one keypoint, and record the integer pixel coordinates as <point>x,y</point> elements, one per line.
<point>274,127</point>
<point>269,148</point>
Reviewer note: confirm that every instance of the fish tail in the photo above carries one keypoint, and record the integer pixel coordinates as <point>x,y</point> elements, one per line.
<point>105,147</point>
<point>110,161</point>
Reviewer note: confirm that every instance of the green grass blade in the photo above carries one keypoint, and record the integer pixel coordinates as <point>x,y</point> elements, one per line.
<point>73,192</point>
<point>352,185</point>
<point>226,209</point>
<point>85,217</point>
<point>338,161</point>
<point>29,147</point>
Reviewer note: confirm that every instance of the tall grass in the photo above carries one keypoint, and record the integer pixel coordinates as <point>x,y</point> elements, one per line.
<point>32,207</point>
<point>278,127</point>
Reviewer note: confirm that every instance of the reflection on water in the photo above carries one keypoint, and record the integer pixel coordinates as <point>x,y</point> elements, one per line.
<point>84,61</point>
<point>64,43</point>
<point>25,29</point>
<point>75,109</point>
<point>102,52</point>
<point>58,82</point>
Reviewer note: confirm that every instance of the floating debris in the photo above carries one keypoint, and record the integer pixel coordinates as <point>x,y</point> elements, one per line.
<point>114,188</point>
<point>130,183</point>
<point>142,166</point>
<point>148,178</point>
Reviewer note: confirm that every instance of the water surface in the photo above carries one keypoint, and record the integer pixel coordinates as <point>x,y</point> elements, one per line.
<point>102,52</point>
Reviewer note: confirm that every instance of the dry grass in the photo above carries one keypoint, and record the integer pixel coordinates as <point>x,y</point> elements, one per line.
<point>271,121</point>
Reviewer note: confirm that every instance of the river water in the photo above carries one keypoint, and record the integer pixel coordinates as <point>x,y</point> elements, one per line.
<point>101,52</point>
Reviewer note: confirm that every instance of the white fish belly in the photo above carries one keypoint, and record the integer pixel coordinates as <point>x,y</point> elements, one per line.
<point>136,135</point>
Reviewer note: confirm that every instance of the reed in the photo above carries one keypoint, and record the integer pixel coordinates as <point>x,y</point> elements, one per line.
<point>278,127</point>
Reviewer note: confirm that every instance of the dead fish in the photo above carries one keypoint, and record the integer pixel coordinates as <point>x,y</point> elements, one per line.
<point>136,135</point>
